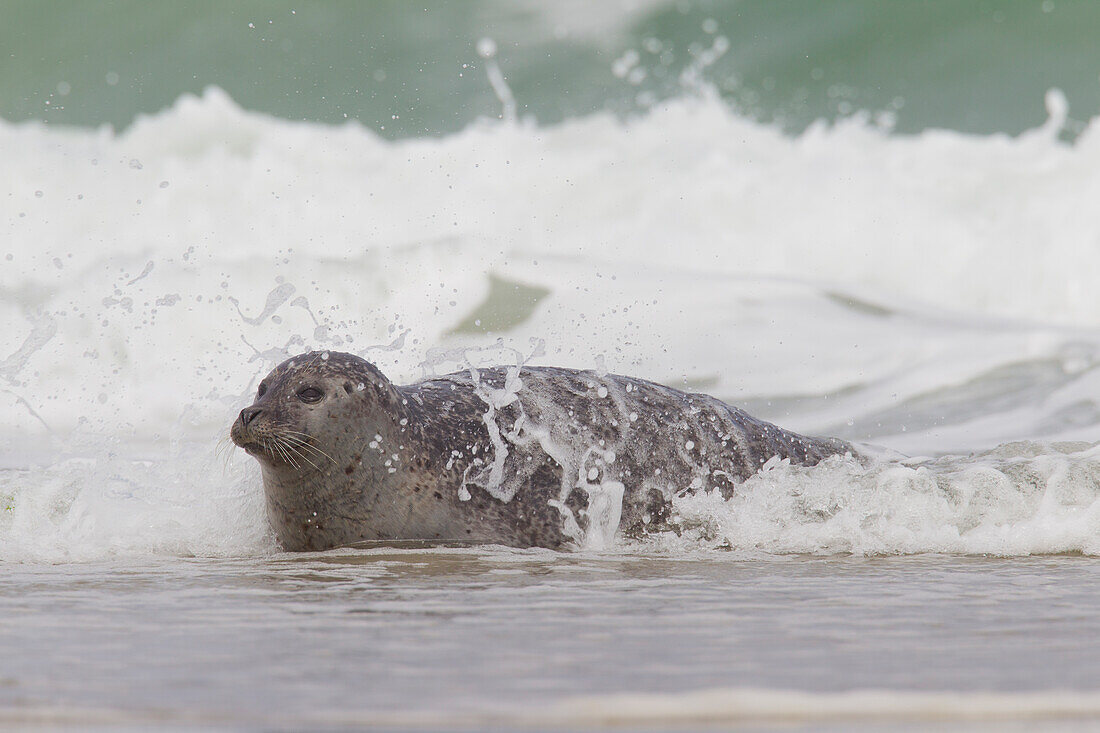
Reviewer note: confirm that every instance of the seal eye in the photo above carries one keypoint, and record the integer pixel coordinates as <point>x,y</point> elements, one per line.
<point>310,394</point>
<point>261,391</point>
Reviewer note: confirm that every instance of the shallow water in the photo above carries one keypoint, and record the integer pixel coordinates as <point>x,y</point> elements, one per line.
<point>419,637</point>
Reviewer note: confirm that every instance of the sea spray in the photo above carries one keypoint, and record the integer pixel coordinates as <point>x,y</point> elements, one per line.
<point>1019,499</point>
<point>831,282</point>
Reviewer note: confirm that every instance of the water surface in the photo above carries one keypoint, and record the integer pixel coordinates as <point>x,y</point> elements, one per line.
<point>407,637</point>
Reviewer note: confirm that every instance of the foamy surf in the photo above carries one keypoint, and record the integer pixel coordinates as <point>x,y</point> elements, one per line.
<point>832,282</point>
<point>790,707</point>
<point>145,242</point>
<point>1019,499</point>
<point>1055,710</point>
<point>185,504</point>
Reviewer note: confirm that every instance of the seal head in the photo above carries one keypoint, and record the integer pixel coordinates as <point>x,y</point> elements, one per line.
<point>312,418</point>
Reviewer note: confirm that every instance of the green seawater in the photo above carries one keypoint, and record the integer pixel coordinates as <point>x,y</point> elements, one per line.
<point>413,69</point>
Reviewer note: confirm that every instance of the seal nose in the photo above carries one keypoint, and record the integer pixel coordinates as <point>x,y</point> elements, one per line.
<point>249,414</point>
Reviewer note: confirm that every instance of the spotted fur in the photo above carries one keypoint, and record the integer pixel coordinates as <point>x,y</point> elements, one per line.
<point>532,456</point>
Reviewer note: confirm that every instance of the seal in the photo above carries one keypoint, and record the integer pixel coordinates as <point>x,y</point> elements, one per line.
<point>520,456</point>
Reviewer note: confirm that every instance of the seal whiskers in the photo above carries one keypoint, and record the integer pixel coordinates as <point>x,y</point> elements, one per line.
<point>223,451</point>
<point>274,445</point>
<point>300,440</point>
<point>294,449</point>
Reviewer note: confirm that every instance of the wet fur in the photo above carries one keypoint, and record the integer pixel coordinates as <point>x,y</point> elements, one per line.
<point>374,461</point>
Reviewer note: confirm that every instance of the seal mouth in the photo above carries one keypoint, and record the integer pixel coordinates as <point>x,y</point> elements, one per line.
<point>256,446</point>
<point>263,449</point>
<point>242,436</point>
<point>280,446</point>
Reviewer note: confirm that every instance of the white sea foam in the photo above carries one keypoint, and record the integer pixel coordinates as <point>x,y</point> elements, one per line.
<point>1020,499</point>
<point>185,504</point>
<point>1057,710</point>
<point>1054,710</point>
<point>931,293</point>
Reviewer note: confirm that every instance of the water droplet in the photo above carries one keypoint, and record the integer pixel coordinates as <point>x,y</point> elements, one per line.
<point>486,48</point>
